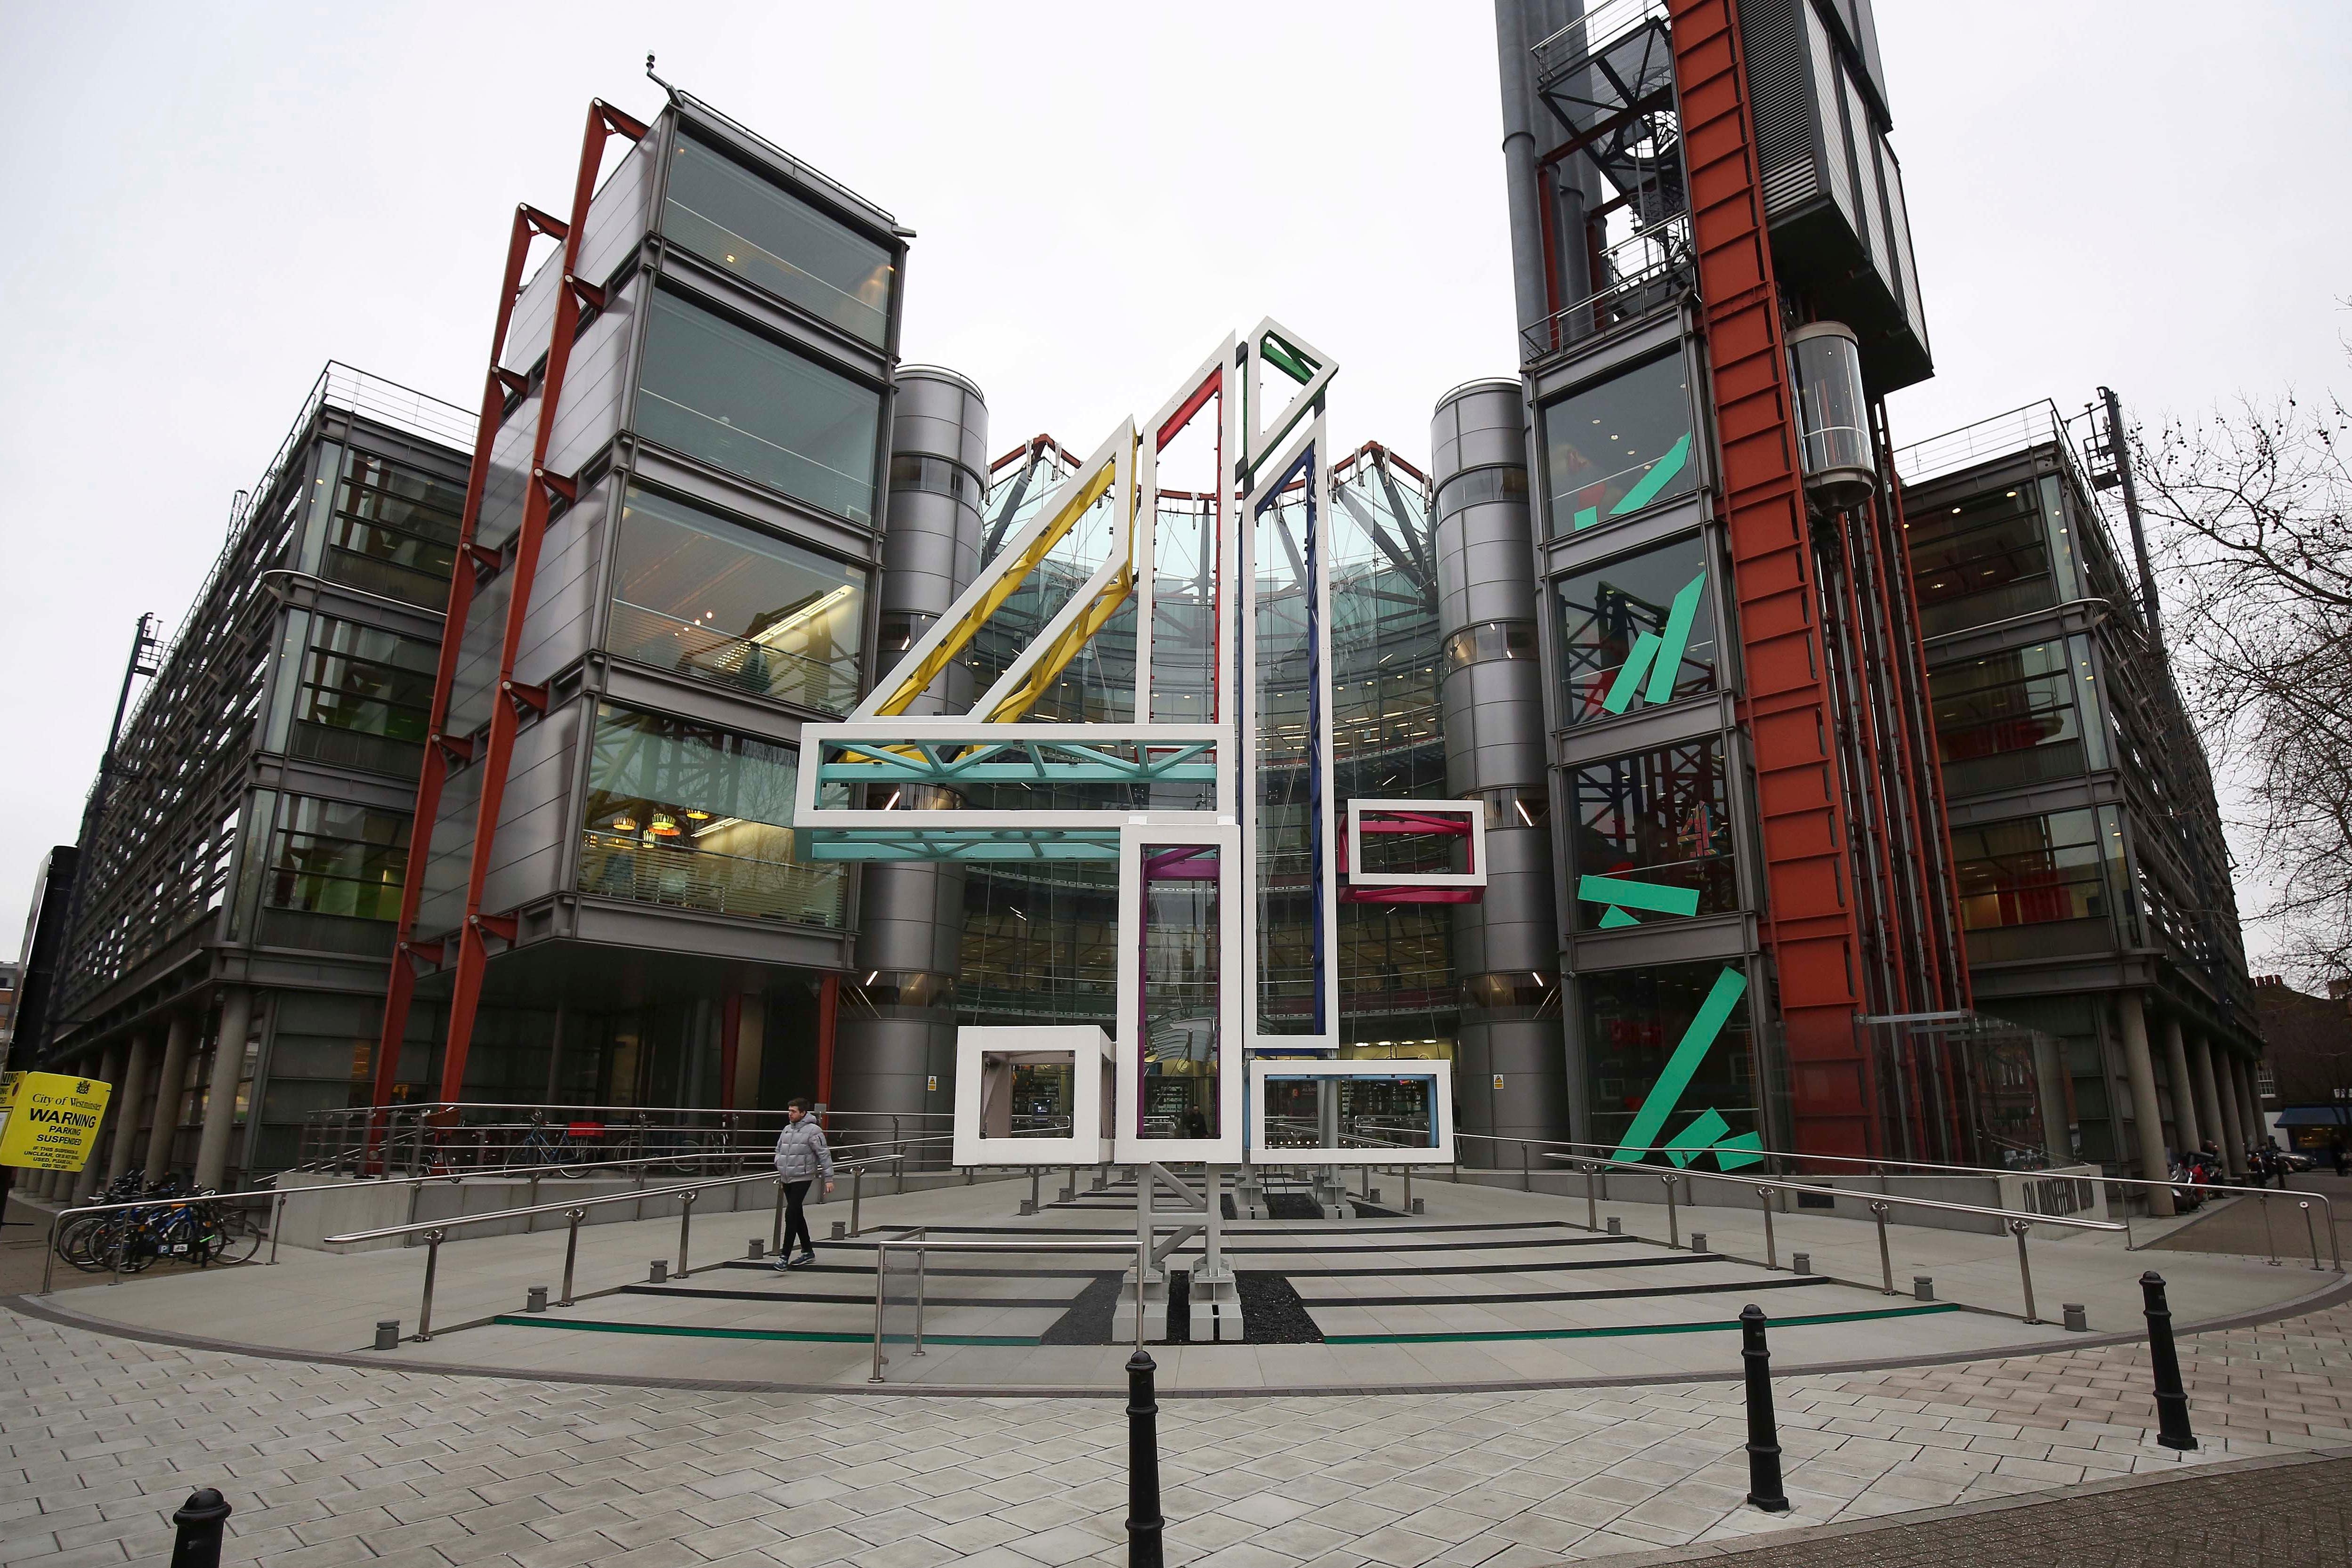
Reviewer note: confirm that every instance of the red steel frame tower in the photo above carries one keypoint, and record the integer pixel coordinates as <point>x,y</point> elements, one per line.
<point>476,567</point>
<point>1816,878</point>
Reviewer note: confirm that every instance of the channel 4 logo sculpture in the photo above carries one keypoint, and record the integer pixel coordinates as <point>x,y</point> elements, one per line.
<point>1181,806</point>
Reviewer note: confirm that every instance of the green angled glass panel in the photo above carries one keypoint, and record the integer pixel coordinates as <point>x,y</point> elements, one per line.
<point>1629,678</point>
<point>1605,611</point>
<point>1674,639</point>
<point>1702,1134</point>
<point>1663,1042</point>
<point>1626,893</point>
<point>1619,446</point>
<point>1660,819</point>
<point>1616,918</point>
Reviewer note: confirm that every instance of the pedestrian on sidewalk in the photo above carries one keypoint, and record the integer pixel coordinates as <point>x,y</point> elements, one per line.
<point>2337,1155</point>
<point>800,1156</point>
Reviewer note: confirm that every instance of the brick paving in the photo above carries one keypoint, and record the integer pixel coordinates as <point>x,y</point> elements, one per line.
<point>101,1436</point>
<point>2297,1516</point>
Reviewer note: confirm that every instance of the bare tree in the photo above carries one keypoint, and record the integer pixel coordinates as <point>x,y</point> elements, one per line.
<point>2249,508</point>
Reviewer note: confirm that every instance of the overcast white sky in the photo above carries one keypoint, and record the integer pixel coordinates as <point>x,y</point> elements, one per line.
<point>206,203</point>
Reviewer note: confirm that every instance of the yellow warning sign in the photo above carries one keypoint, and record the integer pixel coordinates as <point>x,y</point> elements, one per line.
<point>49,1120</point>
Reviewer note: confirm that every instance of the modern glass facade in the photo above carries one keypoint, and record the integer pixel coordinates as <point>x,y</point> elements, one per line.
<point>720,392</point>
<point>1656,819</point>
<point>2061,872</point>
<point>728,213</point>
<point>695,818</point>
<point>1621,446</point>
<point>1637,631</point>
<point>2018,717</point>
<point>352,695</point>
<point>1657,1057</point>
<point>700,595</point>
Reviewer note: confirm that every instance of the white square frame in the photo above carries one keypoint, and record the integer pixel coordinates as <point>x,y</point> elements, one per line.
<point>1436,1067</point>
<point>1090,1051</point>
<point>1128,1142</point>
<point>1472,811</point>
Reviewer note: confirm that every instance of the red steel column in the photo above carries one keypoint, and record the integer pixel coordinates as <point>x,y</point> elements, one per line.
<point>473,953</point>
<point>1809,922</point>
<point>529,223</point>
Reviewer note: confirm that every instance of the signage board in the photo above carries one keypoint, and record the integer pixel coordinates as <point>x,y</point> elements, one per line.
<point>50,1120</point>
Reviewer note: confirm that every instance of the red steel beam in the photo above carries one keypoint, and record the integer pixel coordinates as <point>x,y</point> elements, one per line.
<point>604,123</point>
<point>1810,918</point>
<point>407,953</point>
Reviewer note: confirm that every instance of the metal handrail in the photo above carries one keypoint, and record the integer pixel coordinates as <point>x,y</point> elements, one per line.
<point>435,1231</point>
<point>917,1240</point>
<point>1881,1165</point>
<point>185,1200</point>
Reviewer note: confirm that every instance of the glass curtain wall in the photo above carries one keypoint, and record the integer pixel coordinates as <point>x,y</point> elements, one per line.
<point>1652,836</point>
<point>392,531</point>
<point>1638,631</point>
<point>1983,559</point>
<point>332,876</point>
<point>716,391</point>
<point>1621,447</point>
<point>2034,886</point>
<point>698,593</point>
<point>726,214</point>
<point>2015,718</point>
<point>685,815</point>
<point>351,696</point>
<point>1669,1057</point>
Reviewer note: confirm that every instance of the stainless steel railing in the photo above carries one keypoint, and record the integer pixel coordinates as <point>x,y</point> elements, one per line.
<point>917,1239</point>
<point>434,1232</point>
<point>1881,1166</point>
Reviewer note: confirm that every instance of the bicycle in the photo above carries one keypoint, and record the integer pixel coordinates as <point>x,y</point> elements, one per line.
<point>567,1151</point>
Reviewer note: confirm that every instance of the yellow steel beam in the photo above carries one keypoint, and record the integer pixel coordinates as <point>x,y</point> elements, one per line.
<point>1006,583</point>
<point>1049,667</point>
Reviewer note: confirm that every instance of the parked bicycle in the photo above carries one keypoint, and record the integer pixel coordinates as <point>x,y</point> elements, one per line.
<point>178,1225</point>
<point>567,1148</point>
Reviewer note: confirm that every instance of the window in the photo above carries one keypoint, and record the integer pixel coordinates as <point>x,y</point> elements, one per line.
<point>395,532</point>
<point>713,391</point>
<point>1469,490</point>
<point>1669,1059</point>
<point>1639,630</point>
<point>1652,837</point>
<point>2014,718</point>
<point>685,815</point>
<point>2048,872</point>
<point>1614,450</point>
<point>724,213</point>
<point>354,696</point>
<point>697,593</point>
<point>1981,561</point>
<point>332,857</point>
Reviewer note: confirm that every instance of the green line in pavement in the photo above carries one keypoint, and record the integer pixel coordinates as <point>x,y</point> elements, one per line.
<point>1726,1325</point>
<point>804,1336</point>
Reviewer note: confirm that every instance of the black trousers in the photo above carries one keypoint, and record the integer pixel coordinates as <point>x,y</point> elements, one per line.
<point>796,1217</point>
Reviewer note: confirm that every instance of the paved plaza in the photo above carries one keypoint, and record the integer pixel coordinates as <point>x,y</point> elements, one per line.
<point>332,1464</point>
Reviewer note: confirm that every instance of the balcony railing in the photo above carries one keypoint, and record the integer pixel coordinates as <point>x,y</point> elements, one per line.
<point>1648,272</point>
<point>620,866</point>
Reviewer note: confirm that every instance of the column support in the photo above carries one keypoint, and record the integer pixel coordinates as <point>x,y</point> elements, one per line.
<point>127,1101</point>
<point>170,1078</point>
<point>2209,1099</point>
<point>2147,1121</point>
<point>2049,1073</point>
<point>2187,1125</point>
<point>109,1071</point>
<point>2233,1126</point>
<point>2249,1101</point>
<point>220,1094</point>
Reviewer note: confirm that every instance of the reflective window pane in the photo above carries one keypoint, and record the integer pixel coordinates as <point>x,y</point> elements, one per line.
<point>1652,837</point>
<point>1616,449</point>
<point>714,391</point>
<point>362,698</point>
<point>726,214</point>
<point>1981,561</point>
<point>2009,719</point>
<point>332,857</point>
<point>1637,631</point>
<point>1183,1045</point>
<point>1669,1061</point>
<point>686,815</point>
<point>694,592</point>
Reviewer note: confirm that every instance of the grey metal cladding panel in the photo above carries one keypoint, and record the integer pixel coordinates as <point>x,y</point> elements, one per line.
<point>675,931</point>
<point>1781,95</point>
<point>1485,566</point>
<point>561,622</point>
<point>451,848</point>
<point>715,289</point>
<point>1836,148</point>
<point>534,315</point>
<point>1899,218</point>
<point>928,553</point>
<point>477,656</point>
<point>1643,730</point>
<point>1667,941</point>
<point>503,489</point>
<point>637,687</point>
<point>621,212</point>
<point>912,432</point>
<point>713,488</point>
<point>1618,536</point>
<point>526,862</point>
<point>596,386</point>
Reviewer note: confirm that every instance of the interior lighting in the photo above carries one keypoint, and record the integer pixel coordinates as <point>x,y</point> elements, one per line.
<point>624,823</point>
<point>665,825</point>
<point>873,977</point>
<point>696,813</point>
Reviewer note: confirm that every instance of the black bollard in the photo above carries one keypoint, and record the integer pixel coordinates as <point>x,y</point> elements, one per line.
<point>2171,1399</point>
<point>1763,1432</point>
<point>1143,1522</point>
<point>199,1520</point>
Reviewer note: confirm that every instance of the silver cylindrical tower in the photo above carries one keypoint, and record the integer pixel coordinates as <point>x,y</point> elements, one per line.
<point>1490,696</point>
<point>896,1032</point>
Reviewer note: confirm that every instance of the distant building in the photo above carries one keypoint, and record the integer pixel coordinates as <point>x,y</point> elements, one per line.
<point>2309,1076</point>
<point>27,1031</point>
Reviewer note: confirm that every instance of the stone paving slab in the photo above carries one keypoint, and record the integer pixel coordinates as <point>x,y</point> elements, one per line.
<point>327,1465</point>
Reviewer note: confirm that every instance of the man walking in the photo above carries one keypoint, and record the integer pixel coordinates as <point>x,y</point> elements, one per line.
<point>801,1155</point>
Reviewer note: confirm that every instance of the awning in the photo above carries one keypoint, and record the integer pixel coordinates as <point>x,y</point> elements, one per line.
<point>2316,1116</point>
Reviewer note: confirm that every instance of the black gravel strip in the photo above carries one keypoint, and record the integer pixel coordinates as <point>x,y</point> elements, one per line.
<point>823,1298</point>
<point>1727,1288</point>
<point>1291,1205</point>
<point>1272,1313</point>
<point>1089,1319</point>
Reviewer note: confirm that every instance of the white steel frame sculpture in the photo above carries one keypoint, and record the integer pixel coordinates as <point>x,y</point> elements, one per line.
<point>1267,390</point>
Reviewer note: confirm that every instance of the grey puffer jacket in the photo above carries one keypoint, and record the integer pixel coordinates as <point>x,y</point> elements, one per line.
<point>801,1153</point>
